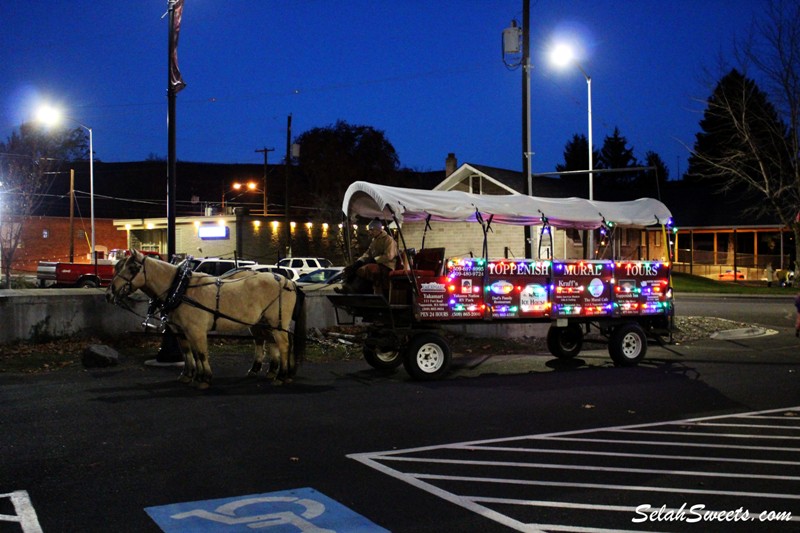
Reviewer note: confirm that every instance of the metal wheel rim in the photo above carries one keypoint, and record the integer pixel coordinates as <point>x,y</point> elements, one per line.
<point>387,356</point>
<point>568,343</point>
<point>631,346</point>
<point>430,357</point>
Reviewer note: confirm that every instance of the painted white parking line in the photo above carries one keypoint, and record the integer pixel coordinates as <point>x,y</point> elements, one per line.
<point>520,481</point>
<point>25,514</point>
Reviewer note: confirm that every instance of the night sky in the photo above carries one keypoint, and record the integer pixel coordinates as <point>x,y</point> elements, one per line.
<point>428,73</point>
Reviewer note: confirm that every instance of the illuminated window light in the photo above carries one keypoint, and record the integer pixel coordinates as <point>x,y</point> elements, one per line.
<point>325,226</point>
<point>292,225</point>
<point>309,225</point>
<point>257,223</point>
<point>275,224</point>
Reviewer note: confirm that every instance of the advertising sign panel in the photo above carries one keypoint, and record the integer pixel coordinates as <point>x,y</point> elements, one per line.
<point>641,287</point>
<point>582,288</point>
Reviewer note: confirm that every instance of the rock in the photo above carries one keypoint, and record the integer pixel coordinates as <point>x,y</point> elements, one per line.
<point>99,355</point>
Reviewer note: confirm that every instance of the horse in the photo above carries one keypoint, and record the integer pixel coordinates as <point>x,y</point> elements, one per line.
<point>196,303</point>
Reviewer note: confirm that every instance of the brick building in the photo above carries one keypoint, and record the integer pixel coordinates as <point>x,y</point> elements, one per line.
<point>49,239</point>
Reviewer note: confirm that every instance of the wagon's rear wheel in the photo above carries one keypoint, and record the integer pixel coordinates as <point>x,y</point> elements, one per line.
<point>565,343</point>
<point>382,359</point>
<point>627,345</point>
<point>427,357</point>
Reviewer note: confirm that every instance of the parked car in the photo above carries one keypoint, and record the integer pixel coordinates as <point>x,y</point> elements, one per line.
<point>216,266</point>
<point>728,275</point>
<point>305,264</point>
<point>286,272</point>
<point>321,277</point>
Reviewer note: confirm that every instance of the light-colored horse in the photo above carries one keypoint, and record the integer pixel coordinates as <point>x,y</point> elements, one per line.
<point>265,303</point>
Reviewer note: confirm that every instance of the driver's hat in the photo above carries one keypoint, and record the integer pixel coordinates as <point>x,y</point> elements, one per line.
<point>375,224</point>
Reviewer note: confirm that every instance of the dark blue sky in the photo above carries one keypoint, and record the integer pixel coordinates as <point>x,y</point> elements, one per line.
<point>427,73</point>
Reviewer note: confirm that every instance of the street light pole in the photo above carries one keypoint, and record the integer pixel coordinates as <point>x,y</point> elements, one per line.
<point>591,162</point>
<point>591,153</point>
<point>50,115</point>
<point>562,55</point>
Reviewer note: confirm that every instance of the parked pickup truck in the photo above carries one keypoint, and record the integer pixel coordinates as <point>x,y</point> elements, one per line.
<point>49,273</point>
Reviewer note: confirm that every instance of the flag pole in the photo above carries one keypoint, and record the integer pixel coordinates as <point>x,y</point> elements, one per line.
<point>171,155</point>
<point>169,353</point>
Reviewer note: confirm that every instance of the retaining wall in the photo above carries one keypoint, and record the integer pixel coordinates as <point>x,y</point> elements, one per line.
<point>44,314</point>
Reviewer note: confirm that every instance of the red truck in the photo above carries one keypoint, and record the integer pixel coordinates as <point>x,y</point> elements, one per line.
<point>55,274</point>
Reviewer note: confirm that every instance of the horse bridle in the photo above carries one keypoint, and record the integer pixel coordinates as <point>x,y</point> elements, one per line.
<point>136,268</point>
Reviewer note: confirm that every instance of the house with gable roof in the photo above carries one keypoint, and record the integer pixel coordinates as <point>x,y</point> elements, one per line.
<point>463,239</point>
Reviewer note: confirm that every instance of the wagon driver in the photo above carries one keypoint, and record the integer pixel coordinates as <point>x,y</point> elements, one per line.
<point>379,259</point>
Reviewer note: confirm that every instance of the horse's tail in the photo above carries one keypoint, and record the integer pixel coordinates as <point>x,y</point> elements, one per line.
<point>299,317</point>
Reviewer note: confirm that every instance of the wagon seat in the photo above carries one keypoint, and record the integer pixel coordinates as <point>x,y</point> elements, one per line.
<point>428,262</point>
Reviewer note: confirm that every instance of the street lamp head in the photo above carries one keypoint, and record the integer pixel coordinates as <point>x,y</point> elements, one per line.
<point>48,115</point>
<point>250,185</point>
<point>562,55</point>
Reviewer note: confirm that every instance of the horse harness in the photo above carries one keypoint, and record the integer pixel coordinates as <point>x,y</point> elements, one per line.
<point>176,295</point>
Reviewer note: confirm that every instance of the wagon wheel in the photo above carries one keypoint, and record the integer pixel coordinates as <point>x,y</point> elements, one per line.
<point>628,345</point>
<point>565,343</point>
<point>427,357</point>
<point>382,359</point>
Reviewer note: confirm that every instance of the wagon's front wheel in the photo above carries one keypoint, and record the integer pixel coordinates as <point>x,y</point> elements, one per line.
<point>427,357</point>
<point>380,359</point>
<point>565,343</point>
<point>627,345</point>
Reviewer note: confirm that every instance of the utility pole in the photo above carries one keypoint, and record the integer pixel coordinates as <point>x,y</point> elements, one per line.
<point>265,151</point>
<point>72,215</point>
<point>526,112</point>
<point>286,187</point>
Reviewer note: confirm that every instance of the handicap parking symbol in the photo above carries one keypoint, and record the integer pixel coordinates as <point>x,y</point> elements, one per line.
<point>299,510</point>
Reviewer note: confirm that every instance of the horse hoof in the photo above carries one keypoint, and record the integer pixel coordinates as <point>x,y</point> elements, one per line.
<point>184,379</point>
<point>272,376</point>
<point>202,385</point>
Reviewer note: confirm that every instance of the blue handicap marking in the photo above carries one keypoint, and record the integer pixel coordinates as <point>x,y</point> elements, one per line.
<point>287,511</point>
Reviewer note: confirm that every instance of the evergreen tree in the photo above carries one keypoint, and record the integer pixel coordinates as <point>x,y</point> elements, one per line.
<point>743,145</point>
<point>615,154</point>
<point>576,157</point>
<point>655,179</point>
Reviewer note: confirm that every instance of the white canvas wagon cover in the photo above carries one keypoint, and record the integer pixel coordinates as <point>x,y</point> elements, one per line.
<point>370,200</point>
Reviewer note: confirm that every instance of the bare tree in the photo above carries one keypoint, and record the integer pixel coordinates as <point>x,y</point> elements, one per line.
<point>29,162</point>
<point>750,137</point>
